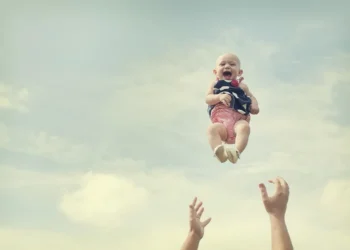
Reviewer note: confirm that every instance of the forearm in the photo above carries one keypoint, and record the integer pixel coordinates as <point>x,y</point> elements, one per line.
<point>280,238</point>
<point>254,101</point>
<point>255,106</point>
<point>191,242</point>
<point>212,99</point>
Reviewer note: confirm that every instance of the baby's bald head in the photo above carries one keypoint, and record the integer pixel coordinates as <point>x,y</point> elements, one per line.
<point>228,57</point>
<point>228,67</point>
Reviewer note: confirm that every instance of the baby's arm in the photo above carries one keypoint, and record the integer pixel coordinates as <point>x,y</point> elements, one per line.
<point>211,98</point>
<point>255,106</point>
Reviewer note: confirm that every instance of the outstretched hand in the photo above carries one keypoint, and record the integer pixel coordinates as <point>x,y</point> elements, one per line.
<point>196,225</point>
<point>276,205</point>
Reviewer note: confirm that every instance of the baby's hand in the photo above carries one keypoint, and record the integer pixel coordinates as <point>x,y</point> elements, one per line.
<point>254,109</point>
<point>225,99</point>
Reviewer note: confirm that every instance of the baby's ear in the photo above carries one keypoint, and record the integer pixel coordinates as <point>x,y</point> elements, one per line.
<point>240,72</point>
<point>214,71</point>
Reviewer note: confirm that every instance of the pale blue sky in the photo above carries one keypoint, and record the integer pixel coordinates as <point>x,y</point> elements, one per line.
<point>113,88</point>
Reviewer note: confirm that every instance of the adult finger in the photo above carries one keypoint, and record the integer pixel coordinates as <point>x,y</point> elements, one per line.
<point>194,201</point>
<point>263,192</point>
<point>192,213</point>
<point>206,222</point>
<point>198,206</point>
<point>192,209</point>
<point>278,187</point>
<point>284,184</point>
<point>200,212</point>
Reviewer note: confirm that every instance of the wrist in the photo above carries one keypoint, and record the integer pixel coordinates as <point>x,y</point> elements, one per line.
<point>213,99</point>
<point>217,97</point>
<point>277,218</point>
<point>193,236</point>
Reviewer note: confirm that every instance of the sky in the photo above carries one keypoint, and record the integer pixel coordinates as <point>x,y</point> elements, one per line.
<point>103,123</point>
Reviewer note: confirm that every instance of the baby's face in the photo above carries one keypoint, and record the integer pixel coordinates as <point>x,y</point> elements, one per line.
<point>227,67</point>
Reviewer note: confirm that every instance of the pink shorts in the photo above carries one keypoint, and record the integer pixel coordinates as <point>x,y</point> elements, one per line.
<point>228,117</point>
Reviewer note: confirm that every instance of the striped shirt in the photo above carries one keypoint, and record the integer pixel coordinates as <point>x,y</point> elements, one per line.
<point>239,100</point>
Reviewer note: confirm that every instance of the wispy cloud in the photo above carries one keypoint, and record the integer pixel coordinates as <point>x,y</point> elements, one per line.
<point>13,98</point>
<point>112,146</point>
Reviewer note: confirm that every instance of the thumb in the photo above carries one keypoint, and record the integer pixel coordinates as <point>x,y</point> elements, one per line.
<point>263,191</point>
<point>206,222</point>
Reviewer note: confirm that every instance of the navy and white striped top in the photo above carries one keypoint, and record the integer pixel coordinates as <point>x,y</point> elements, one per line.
<point>239,100</point>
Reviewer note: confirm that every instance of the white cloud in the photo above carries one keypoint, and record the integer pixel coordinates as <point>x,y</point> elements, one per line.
<point>177,83</point>
<point>43,144</point>
<point>23,95</point>
<point>153,209</point>
<point>103,200</point>
<point>335,200</point>
<point>294,117</point>
<point>13,98</point>
<point>56,147</point>
<point>293,132</point>
<point>40,240</point>
<point>4,137</point>
<point>12,177</point>
<point>230,235</point>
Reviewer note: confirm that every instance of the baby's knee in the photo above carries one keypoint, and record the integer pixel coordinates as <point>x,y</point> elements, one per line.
<point>242,127</point>
<point>216,128</point>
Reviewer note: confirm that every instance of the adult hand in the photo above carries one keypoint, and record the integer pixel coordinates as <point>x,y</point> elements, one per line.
<point>276,205</point>
<point>196,225</point>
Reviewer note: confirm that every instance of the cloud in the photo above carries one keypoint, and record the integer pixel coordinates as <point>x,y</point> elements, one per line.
<point>15,178</point>
<point>149,209</point>
<point>13,98</point>
<point>335,200</point>
<point>43,144</point>
<point>168,96</point>
<point>169,87</point>
<point>40,240</point>
<point>56,147</point>
<point>143,134</point>
<point>4,137</point>
<point>103,200</point>
<point>340,93</point>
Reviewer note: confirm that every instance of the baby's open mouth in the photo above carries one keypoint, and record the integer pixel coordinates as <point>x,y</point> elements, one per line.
<point>227,75</point>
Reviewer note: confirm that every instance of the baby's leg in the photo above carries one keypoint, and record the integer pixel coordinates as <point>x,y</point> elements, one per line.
<point>216,135</point>
<point>242,130</point>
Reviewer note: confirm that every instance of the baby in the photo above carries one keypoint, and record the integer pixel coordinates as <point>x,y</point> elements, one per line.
<point>230,104</point>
